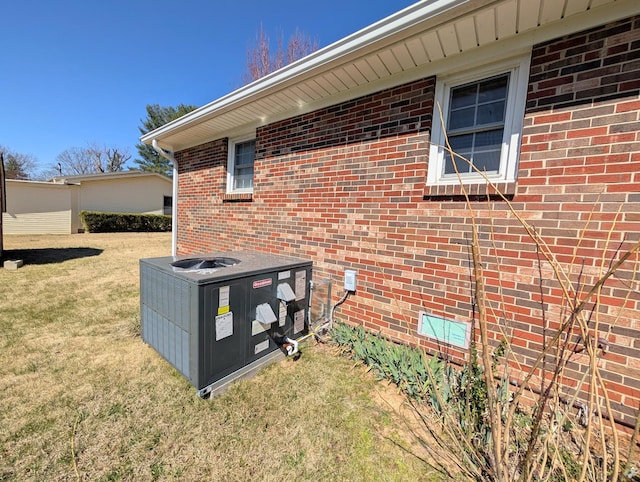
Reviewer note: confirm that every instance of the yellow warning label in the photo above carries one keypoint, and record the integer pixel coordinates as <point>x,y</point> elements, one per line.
<point>223,309</point>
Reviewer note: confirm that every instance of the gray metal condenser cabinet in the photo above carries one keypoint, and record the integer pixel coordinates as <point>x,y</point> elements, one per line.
<point>217,317</point>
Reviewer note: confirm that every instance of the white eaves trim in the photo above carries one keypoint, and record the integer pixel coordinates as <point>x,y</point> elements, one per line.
<point>432,37</point>
<point>352,44</point>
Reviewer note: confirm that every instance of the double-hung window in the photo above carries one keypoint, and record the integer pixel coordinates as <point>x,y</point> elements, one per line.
<point>482,114</point>
<point>240,165</point>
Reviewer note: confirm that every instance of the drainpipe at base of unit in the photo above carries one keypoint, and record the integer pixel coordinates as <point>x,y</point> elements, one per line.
<point>174,199</point>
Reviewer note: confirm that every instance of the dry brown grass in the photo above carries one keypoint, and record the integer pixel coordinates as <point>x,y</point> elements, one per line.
<point>83,398</point>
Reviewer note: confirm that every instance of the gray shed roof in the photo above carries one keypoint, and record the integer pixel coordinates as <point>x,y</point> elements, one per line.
<point>103,176</point>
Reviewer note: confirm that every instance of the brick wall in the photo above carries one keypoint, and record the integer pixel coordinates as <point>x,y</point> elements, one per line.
<point>580,174</point>
<point>345,186</point>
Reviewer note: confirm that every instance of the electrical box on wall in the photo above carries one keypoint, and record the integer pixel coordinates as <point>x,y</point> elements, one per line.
<point>219,317</point>
<point>350,279</point>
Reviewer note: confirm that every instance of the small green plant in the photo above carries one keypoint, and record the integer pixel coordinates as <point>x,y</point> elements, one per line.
<point>157,470</point>
<point>403,365</point>
<point>458,395</point>
<point>116,409</point>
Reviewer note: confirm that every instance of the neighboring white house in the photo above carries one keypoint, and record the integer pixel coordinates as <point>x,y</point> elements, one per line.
<point>53,207</point>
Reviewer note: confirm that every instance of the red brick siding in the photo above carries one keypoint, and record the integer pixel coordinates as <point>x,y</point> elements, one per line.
<point>345,186</point>
<point>579,174</point>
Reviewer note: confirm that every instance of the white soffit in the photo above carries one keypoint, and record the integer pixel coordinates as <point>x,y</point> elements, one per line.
<point>413,43</point>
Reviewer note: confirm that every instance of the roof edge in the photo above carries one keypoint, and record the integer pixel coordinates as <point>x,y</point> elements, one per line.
<point>392,25</point>
<point>106,175</point>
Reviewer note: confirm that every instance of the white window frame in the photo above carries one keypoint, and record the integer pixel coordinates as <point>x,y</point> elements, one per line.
<point>518,68</point>
<point>231,163</point>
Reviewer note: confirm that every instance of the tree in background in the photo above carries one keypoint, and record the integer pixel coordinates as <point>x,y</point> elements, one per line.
<point>157,116</point>
<point>92,159</point>
<point>262,60</point>
<point>74,161</point>
<point>108,159</point>
<point>17,165</point>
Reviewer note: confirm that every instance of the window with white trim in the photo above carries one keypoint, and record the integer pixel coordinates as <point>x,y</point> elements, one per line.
<point>482,114</point>
<point>242,154</point>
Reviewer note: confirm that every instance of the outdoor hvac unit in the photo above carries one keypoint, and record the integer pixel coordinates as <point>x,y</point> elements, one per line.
<point>218,317</point>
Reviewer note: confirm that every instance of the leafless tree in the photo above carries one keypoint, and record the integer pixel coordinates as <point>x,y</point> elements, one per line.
<point>262,59</point>
<point>75,161</point>
<point>116,159</point>
<point>91,159</point>
<point>107,159</point>
<point>18,165</point>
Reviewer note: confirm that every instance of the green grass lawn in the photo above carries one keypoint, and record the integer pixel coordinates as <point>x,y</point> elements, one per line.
<point>83,398</point>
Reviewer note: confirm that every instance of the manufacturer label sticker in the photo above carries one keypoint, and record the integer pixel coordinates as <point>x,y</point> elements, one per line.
<point>261,283</point>
<point>301,285</point>
<point>282,318</point>
<point>298,321</point>
<point>224,326</point>
<point>223,296</point>
<point>261,347</point>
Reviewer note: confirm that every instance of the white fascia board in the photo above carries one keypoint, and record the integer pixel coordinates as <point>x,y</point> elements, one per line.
<point>352,44</point>
<point>107,175</point>
<point>27,182</point>
<point>421,16</point>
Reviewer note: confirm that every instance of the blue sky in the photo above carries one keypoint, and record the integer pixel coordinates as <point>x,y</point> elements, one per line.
<point>81,71</point>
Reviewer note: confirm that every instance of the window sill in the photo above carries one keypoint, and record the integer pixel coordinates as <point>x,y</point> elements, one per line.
<point>237,197</point>
<point>474,191</point>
